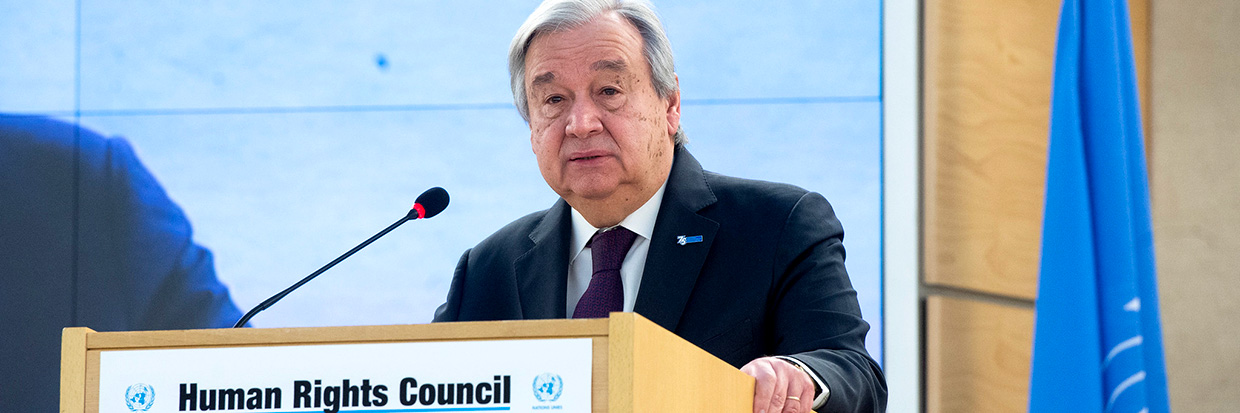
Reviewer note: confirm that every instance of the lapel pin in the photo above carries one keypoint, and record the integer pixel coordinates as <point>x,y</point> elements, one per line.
<point>682,239</point>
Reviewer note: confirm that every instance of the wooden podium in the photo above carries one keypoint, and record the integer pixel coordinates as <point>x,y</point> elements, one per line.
<point>637,365</point>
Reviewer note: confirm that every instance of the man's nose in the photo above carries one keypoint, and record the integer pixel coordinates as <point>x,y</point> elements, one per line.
<point>583,119</point>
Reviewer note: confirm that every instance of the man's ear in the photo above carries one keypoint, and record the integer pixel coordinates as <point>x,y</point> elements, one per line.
<point>673,108</point>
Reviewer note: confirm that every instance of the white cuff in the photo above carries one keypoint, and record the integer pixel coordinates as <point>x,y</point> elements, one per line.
<point>824,393</point>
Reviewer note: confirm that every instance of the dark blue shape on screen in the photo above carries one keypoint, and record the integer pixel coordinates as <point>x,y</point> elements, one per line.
<point>87,238</point>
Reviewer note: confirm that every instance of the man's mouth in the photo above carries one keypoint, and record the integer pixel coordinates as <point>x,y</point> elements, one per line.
<point>587,155</point>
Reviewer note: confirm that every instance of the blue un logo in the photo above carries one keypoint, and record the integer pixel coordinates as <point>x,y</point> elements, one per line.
<point>140,397</point>
<point>547,387</point>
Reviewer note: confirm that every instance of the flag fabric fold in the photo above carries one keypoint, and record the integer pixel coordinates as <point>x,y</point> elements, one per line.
<point>1097,336</point>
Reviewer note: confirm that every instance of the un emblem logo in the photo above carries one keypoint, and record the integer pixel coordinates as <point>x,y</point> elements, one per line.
<point>140,397</point>
<point>547,387</point>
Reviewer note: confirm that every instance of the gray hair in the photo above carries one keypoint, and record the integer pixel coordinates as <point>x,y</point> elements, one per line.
<point>556,15</point>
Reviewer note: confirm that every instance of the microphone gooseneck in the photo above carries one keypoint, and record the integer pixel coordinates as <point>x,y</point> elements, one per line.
<point>427,205</point>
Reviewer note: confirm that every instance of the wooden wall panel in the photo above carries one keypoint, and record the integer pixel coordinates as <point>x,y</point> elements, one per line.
<point>1196,204</point>
<point>987,81</point>
<point>977,356</point>
<point>987,72</point>
<point>1139,17</point>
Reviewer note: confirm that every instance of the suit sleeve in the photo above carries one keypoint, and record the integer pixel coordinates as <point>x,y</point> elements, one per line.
<point>450,310</point>
<point>817,316</point>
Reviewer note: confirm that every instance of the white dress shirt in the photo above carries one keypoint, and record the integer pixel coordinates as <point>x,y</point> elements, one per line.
<point>581,264</point>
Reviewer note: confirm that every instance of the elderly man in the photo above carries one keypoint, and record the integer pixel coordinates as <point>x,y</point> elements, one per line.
<point>751,271</point>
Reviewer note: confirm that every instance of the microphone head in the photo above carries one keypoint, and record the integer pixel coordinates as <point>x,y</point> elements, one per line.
<point>429,204</point>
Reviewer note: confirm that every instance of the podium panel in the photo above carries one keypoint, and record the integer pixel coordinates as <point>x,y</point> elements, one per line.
<point>633,366</point>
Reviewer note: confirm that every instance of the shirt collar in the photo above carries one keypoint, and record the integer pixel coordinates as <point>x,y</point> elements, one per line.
<point>641,222</point>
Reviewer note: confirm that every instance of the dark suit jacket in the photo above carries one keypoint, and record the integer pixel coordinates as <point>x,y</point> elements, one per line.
<point>107,250</point>
<point>767,279</point>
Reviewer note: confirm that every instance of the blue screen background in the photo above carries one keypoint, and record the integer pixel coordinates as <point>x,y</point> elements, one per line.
<point>291,130</point>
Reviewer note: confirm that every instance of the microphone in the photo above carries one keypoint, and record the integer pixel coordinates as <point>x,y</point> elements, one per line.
<point>429,204</point>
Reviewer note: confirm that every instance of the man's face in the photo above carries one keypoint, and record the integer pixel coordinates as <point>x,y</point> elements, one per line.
<point>597,126</point>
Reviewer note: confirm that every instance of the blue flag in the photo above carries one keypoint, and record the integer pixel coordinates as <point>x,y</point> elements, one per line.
<point>1097,344</point>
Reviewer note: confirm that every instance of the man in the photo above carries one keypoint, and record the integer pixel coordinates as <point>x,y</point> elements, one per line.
<point>87,238</point>
<point>743,269</point>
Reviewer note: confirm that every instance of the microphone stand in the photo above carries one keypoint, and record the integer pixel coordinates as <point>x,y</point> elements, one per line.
<point>270,301</point>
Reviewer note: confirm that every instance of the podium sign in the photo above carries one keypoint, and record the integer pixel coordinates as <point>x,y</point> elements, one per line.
<point>621,364</point>
<point>469,376</point>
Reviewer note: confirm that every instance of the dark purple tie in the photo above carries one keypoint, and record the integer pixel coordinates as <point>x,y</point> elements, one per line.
<point>606,292</point>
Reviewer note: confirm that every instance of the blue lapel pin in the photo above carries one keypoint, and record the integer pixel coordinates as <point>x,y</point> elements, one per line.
<point>682,239</point>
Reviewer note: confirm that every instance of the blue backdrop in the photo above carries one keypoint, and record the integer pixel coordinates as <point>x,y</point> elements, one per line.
<point>291,130</point>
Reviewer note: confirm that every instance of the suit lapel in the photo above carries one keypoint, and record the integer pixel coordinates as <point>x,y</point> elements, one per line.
<point>541,273</point>
<point>672,268</point>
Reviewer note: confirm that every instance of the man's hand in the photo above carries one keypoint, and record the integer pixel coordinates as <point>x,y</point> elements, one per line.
<point>781,387</point>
